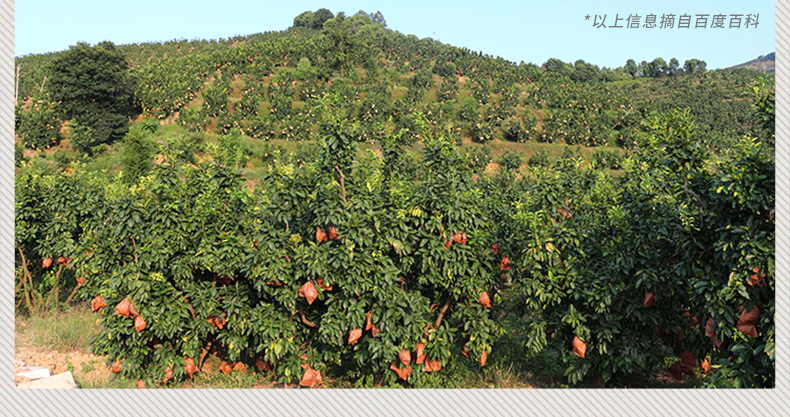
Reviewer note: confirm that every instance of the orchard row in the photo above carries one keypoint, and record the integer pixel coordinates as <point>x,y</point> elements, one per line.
<point>376,266</point>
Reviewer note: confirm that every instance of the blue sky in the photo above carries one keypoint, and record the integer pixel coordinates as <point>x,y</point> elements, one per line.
<point>518,31</point>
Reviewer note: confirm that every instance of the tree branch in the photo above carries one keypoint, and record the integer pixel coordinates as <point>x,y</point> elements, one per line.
<point>691,192</point>
<point>72,293</point>
<point>203,352</point>
<point>304,318</point>
<point>27,281</point>
<point>441,313</point>
<point>342,184</point>
<point>134,245</point>
<point>16,87</point>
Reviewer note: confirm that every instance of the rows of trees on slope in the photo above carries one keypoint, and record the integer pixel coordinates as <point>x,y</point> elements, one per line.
<point>267,85</point>
<point>385,270</point>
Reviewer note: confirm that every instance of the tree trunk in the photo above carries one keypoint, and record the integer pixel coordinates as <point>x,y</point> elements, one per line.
<point>16,88</point>
<point>597,380</point>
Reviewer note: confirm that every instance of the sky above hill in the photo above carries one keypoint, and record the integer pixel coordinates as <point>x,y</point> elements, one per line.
<point>720,32</point>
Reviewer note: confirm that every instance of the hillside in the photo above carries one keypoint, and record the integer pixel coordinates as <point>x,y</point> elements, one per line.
<point>267,86</point>
<point>763,63</point>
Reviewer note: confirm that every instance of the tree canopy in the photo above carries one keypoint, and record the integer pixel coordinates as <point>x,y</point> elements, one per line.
<point>91,86</point>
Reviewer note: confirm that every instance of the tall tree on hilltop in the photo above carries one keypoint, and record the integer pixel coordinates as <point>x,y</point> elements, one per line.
<point>378,18</point>
<point>673,66</point>
<point>694,66</point>
<point>558,66</point>
<point>305,20</point>
<point>339,30</point>
<point>320,16</point>
<point>630,67</point>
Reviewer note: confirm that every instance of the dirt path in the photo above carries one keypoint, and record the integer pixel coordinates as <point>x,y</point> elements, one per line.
<point>88,370</point>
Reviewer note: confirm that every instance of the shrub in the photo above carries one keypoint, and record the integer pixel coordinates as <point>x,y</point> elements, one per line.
<point>94,130</point>
<point>19,154</point>
<point>540,158</point>
<point>184,147</point>
<point>334,269</point>
<point>511,160</point>
<point>515,131</point>
<point>137,154</point>
<point>81,137</point>
<point>149,126</point>
<point>63,159</point>
<point>479,158</point>
<point>38,128</point>
<point>607,158</point>
<point>596,259</point>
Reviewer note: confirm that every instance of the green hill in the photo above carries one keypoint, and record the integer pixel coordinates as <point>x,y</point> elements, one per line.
<point>268,86</point>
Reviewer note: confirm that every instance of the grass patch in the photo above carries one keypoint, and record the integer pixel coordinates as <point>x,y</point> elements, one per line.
<point>109,160</point>
<point>211,377</point>
<point>110,382</point>
<point>67,330</point>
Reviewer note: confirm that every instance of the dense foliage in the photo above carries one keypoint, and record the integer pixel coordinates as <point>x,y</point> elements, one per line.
<point>91,87</point>
<point>39,126</point>
<point>343,261</point>
<point>674,256</point>
<point>386,266</point>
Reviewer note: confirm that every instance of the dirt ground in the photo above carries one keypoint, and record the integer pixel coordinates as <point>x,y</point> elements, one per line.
<point>88,370</point>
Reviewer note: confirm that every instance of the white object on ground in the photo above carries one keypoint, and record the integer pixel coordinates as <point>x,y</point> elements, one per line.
<point>34,372</point>
<point>59,381</point>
